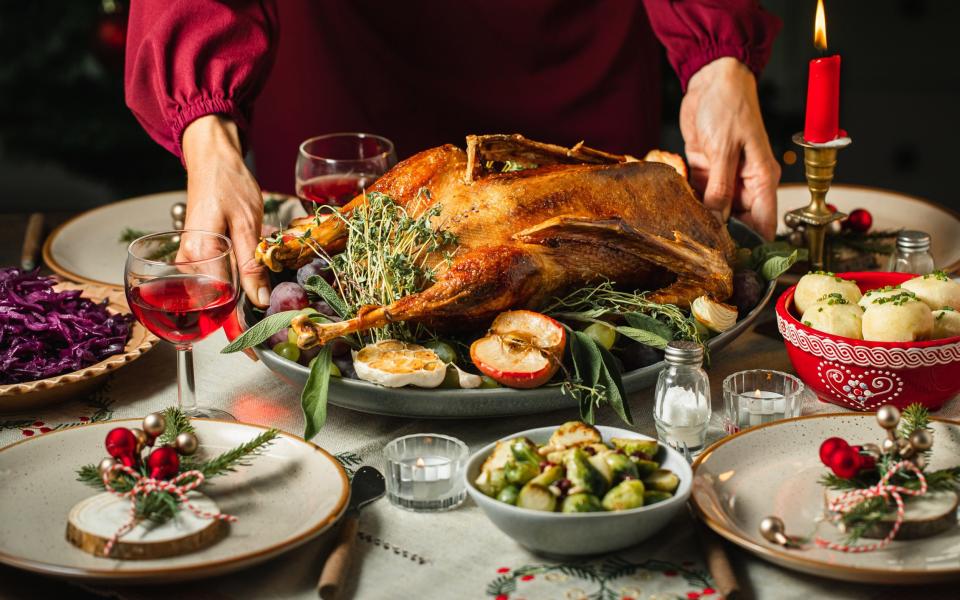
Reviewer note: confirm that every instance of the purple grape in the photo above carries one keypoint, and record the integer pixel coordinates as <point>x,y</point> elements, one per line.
<point>339,347</point>
<point>288,296</point>
<point>346,367</point>
<point>307,355</point>
<point>318,266</point>
<point>279,337</point>
<point>325,309</point>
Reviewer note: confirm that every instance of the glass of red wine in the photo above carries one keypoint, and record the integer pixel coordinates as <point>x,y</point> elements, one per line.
<point>332,169</point>
<point>183,300</point>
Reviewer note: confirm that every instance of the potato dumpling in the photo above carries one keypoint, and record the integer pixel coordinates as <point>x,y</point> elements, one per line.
<point>899,318</point>
<point>936,290</point>
<point>835,315</point>
<point>946,323</point>
<point>884,292</point>
<point>814,286</point>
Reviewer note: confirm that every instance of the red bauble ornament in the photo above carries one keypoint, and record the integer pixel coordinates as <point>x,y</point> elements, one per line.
<point>860,220</point>
<point>121,444</point>
<point>845,463</point>
<point>829,446</point>
<point>832,207</point>
<point>163,463</point>
<point>867,462</point>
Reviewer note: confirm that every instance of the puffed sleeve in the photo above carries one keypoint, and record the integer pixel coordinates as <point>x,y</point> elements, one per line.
<point>696,32</point>
<point>190,58</point>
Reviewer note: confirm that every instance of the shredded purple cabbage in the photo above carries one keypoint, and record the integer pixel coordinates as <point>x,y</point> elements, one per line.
<point>44,332</point>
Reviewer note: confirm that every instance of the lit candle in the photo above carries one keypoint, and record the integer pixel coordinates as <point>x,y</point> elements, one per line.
<point>823,88</point>
<point>760,405</point>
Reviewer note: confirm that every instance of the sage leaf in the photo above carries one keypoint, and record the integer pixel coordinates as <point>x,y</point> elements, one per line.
<point>651,324</point>
<point>775,266</point>
<point>318,286</point>
<point>611,380</point>
<point>261,331</point>
<point>643,336</point>
<point>770,249</point>
<point>313,398</point>
<point>587,364</point>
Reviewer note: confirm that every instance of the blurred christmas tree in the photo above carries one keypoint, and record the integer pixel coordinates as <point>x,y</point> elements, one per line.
<point>61,94</point>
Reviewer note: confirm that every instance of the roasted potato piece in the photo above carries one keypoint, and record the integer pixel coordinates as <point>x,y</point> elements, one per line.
<point>499,457</point>
<point>491,482</point>
<point>626,495</point>
<point>662,480</point>
<point>577,503</point>
<point>536,497</point>
<point>574,433</point>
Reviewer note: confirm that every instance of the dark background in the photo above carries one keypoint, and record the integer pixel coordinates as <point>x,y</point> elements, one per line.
<point>67,141</point>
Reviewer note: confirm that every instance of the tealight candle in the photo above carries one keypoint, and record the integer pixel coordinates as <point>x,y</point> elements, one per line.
<point>424,472</point>
<point>760,396</point>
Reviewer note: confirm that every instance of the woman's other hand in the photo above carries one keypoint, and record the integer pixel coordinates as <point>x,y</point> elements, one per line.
<point>731,162</point>
<point>223,197</point>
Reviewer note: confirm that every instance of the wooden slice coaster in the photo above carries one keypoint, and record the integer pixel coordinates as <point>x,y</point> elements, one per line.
<point>94,520</point>
<point>923,516</point>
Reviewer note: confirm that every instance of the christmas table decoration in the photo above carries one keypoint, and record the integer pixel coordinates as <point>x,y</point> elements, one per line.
<point>141,514</point>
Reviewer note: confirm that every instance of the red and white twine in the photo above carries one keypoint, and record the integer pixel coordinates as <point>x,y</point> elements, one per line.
<point>851,499</point>
<point>144,486</point>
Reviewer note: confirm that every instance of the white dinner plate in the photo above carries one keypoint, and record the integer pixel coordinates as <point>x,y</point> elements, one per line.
<point>890,210</point>
<point>772,470</point>
<point>288,495</point>
<point>87,248</point>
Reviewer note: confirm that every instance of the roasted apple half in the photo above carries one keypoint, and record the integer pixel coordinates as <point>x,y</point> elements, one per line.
<point>523,349</point>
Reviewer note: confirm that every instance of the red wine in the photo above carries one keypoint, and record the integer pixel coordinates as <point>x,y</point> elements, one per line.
<point>182,308</point>
<point>335,190</point>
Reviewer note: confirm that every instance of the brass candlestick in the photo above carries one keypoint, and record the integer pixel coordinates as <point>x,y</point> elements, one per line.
<point>819,161</point>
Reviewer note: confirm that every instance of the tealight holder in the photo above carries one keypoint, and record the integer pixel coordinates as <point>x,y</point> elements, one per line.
<point>424,472</point>
<point>760,396</point>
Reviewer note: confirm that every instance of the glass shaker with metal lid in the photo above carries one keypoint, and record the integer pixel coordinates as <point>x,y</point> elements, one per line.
<point>912,254</point>
<point>682,398</point>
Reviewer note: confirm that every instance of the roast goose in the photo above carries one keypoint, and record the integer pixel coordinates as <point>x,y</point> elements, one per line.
<point>577,216</point>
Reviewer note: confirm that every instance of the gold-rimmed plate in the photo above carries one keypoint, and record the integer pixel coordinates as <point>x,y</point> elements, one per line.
<point>773,470</point>
<point>287,496</point>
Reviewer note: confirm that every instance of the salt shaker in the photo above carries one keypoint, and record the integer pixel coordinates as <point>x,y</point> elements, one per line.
<point>682,399</point>
<point>912,254</point>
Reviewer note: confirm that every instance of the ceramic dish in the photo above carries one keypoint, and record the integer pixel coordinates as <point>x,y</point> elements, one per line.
<point>289,495</point>
<point>773,469</point>
<point>863,375</point>
<point>18,397</point>
<point>87,248</point>
<point>890,210</point>
<point>460,403</point>
<point>582,533</point>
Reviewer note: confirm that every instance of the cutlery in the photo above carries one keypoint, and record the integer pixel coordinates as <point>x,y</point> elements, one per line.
<point>367,486</point>
<point>32,240</point>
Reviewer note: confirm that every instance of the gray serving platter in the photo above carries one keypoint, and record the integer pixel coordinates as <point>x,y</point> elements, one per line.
<point>477,403</point>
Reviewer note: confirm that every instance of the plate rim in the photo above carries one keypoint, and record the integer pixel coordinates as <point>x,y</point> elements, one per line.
<point>197,570</point>
<point>953,267</point>
<point>804,564</point>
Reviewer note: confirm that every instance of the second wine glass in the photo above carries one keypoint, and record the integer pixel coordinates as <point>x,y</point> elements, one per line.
<point>332,169</point>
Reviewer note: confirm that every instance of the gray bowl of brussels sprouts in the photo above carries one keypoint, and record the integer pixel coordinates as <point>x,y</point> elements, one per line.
<point>578,520</point>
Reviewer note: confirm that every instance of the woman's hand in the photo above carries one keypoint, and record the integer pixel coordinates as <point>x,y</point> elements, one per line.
<point>731,162</point>
<point>222,196</point>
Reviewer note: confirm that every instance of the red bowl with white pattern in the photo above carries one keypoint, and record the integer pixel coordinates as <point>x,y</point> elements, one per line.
<point>862,375</point>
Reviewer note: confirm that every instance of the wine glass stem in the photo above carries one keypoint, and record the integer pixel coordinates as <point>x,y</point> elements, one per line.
<point>186,385</point>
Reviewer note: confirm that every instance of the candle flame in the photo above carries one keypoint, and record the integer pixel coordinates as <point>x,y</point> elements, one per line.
<point>419,462</point>
<point>820,28</point>
<point>757,394</point>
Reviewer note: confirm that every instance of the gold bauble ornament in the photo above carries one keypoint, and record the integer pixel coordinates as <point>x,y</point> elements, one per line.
<point>888,416</point>
<point>179,211</point>
<point>143,440</point>
<point>772,529</point>
<point>834,227</point>
<point>921,440</point>
<point>872,449</point>
<point>186,443</point>
<point>105,466</point>
<point>154,424</point>
<point>889,446</point>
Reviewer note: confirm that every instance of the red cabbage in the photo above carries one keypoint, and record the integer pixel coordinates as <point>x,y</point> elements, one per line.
<point>44,332</point>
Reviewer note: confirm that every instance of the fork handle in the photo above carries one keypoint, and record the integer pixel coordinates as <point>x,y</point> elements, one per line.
<point>335,570</point>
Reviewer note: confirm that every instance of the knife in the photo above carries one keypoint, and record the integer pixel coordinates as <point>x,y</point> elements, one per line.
<point>367,486</point>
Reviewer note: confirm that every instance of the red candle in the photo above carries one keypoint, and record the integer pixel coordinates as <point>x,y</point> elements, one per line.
<point>823,89</point>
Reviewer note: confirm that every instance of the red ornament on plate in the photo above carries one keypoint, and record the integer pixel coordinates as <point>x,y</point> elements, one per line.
<point>845,463</point>
<point>859,220</point>
<point>121,444</point>
<point>829,446</point>
<point>163,463</point>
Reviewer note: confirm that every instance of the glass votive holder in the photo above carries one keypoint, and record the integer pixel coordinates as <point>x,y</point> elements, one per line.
<point>424,472</point>
<point>760,396</point>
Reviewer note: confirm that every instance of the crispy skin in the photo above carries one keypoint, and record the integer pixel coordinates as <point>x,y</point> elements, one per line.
<point>529,235</point>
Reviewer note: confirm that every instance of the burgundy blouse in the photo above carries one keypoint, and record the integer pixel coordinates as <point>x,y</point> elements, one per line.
<point>424,72</point>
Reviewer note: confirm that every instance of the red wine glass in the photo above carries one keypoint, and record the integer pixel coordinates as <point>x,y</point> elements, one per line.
<point>333,169</point>
<point>182,286</point>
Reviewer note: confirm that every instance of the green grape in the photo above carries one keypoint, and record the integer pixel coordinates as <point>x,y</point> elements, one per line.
<point>288,351</point>
<point>602,334</point>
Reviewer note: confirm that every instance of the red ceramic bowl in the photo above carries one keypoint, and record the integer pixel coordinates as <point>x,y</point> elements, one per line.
<point>863,375</point>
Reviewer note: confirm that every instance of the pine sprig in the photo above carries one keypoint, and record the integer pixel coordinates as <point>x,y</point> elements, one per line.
<point>914,417</point>
<point>177,423</point>
<point>231,459</point>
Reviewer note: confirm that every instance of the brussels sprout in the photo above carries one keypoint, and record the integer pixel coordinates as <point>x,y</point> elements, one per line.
<point>599,462</point>
<point>536,497</point>
<point>550,475</point>
<point>584,476</point>
<point>627,494</point>
<point>648,448</point>
<point>491,481</point>
<point>662,480</point>
<point>576,503</point>
<point>574,433</point>
<point>620,467</point>
<point>644,467</point>
<point>525,462</point>
<point>509,494</point>
<point>654,496</point>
